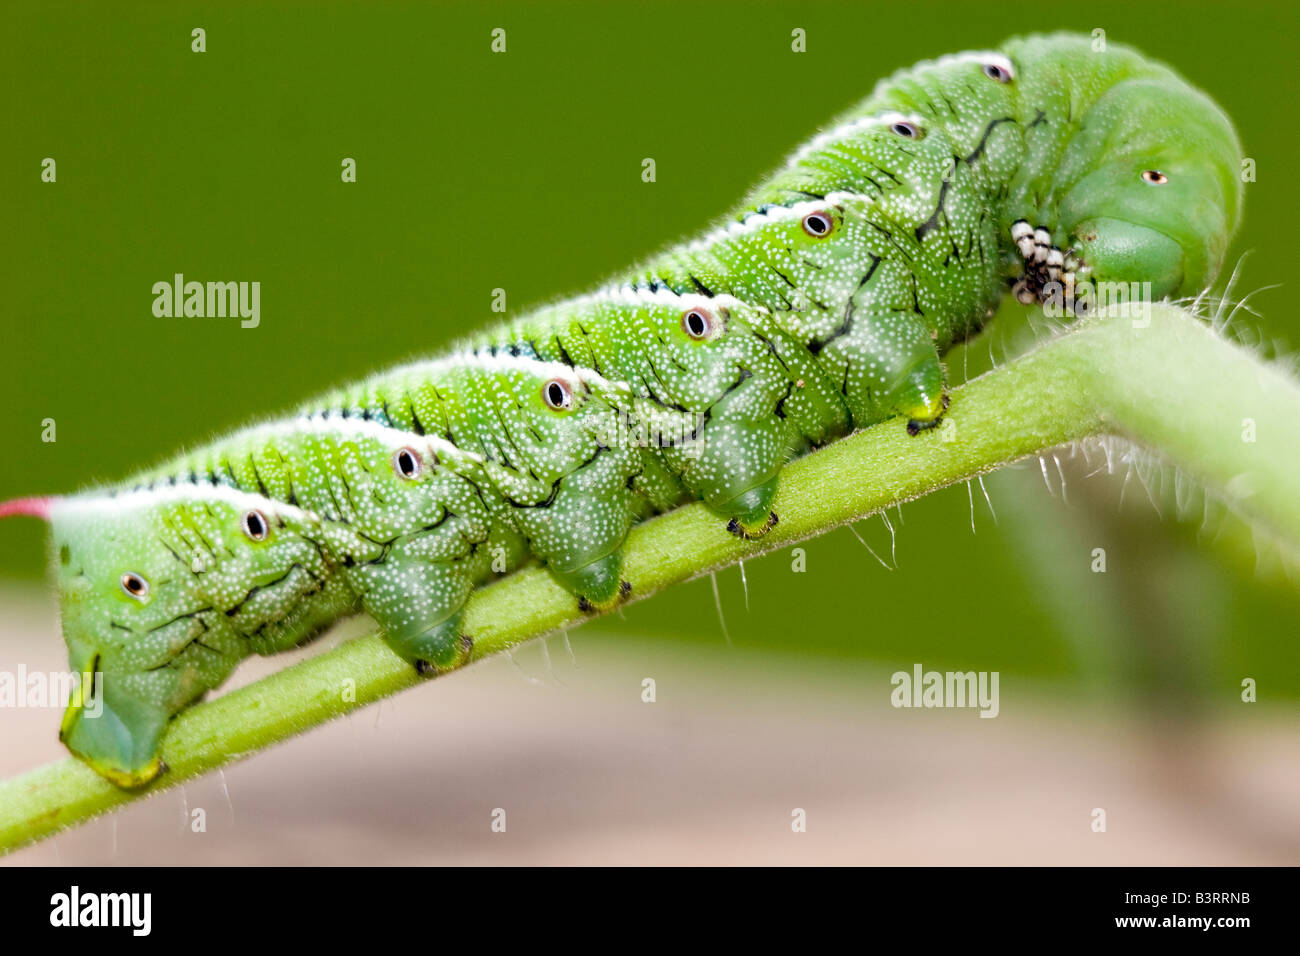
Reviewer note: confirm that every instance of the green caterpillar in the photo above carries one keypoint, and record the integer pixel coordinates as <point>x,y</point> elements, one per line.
<point>822,305</point>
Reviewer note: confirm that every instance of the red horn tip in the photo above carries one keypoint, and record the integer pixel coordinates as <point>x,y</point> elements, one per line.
<point>32,507</point>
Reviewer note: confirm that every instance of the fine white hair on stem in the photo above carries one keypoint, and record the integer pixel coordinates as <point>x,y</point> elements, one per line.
<point>717,603</point>
<point>225,788</point>
<point>1061,472</point>
<point>546,657</point>
<point>893,539</point>
<point>863,542</point>
<point>1174,492</point>
<point>573,658</point>
<point>522,673</point>
<point>987,500</point>
<point>1042,466</point>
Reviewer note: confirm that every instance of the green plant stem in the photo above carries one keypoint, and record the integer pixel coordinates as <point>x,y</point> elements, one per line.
<point>1173,385</point>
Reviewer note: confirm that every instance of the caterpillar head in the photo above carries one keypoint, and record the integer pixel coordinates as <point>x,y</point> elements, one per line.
<point>161,594</point>
<point>1154,188</point>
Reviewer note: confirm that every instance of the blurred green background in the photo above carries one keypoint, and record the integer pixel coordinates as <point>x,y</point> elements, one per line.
<point>521,171</point>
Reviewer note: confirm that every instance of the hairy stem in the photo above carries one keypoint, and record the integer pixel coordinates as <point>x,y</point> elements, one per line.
<point>1170,383</point>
